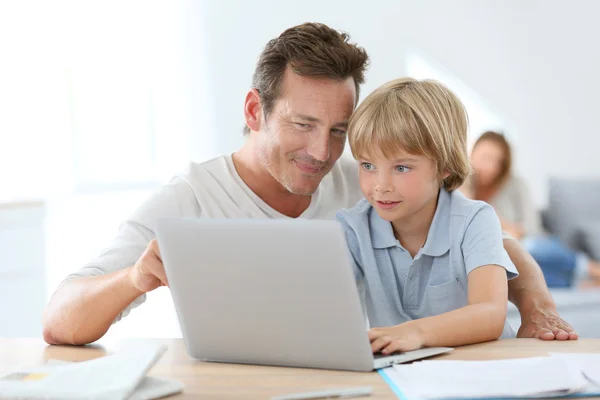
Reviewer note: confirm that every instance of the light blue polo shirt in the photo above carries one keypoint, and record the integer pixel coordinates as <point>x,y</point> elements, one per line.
<point>464,234</point>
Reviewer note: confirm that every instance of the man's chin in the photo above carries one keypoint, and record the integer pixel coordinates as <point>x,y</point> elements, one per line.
<point>302,191</point>
<point>304,188</point>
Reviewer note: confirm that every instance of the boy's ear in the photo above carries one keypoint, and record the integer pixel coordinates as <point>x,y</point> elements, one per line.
<point>445,174</point>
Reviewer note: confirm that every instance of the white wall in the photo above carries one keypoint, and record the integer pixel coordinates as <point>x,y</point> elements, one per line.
<point>534,62</point>
<point>22,268</point>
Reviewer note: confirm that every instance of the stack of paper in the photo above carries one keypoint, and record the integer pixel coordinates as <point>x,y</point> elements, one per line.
<point>118,376</point>
<point>587,365</point>
<point>556,375</point>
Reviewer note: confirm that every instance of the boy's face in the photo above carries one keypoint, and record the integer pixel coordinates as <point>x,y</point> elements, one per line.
<point>400,189</point>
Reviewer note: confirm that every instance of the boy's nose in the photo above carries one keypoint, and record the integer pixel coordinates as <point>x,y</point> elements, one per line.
<point>384,185</point>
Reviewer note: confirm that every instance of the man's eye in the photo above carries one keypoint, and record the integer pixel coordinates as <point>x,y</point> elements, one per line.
<point>338,132</point>
<point>301,126</point>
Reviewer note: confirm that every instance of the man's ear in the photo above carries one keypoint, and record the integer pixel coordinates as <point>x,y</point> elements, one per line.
<point>253,110</point>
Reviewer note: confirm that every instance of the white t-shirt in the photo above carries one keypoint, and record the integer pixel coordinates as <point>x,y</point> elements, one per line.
<point>214,189</point>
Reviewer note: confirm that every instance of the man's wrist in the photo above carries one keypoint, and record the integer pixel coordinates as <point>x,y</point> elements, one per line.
<point>531,302</point>
<point>131,279</point>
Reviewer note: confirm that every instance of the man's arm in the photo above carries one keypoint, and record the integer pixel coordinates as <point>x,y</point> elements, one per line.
<point>83,309</point>
<point>85,306</point>
<point>529,292</point>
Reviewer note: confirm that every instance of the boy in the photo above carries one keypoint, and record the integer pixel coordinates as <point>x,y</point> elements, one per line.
<point>431,261</point>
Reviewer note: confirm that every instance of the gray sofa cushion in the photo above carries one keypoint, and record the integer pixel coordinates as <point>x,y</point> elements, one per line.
<point>572,204</point>
<point>590,237</point>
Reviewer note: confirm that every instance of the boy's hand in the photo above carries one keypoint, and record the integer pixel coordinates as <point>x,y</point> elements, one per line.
<point>403,337</point>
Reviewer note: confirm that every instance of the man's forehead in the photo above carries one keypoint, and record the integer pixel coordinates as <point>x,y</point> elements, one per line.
<point>314,103</point>
<point>298,86</point>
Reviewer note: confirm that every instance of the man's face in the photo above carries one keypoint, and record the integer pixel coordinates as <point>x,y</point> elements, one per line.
<point>305,132</point>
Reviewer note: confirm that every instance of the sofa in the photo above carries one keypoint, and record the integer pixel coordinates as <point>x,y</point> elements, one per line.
<point>573,215</point>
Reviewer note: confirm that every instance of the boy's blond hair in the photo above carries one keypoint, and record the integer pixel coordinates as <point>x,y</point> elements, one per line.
<point>420,117</point>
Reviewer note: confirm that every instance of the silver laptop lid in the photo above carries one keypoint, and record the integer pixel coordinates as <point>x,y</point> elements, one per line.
<point>276,292</point>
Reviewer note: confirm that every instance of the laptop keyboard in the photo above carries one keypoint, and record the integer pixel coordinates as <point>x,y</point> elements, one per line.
<point>381,355</point>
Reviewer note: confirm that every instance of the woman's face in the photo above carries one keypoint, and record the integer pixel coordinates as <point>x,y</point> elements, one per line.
<point>487,159</point>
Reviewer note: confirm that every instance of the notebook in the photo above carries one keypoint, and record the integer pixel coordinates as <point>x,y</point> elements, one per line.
<point>114,376</point>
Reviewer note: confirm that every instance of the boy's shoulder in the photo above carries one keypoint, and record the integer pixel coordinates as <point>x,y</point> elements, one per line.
<point>462,206</point>
<point>357,216</point>
<point>467,214</point>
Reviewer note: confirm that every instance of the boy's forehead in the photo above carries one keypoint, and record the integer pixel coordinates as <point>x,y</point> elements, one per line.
<point>397,154</point>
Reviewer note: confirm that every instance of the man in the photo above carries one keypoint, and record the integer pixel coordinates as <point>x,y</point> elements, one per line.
<point>305,87</point>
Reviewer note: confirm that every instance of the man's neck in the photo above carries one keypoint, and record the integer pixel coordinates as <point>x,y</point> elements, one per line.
<point>412,231</point>
<point>259,180</point>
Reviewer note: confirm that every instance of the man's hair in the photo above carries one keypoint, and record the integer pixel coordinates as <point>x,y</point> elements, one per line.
<point>500,140</point>
<point>313,50</point>
<point>419,117</point>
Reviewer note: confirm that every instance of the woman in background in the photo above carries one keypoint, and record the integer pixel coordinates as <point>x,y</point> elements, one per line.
<point>494,183</point>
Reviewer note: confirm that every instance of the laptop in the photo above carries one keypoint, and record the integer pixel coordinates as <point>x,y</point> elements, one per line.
<point>269,292</point>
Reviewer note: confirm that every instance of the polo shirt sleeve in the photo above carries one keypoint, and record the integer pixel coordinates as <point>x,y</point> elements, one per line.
<point>482,242</point>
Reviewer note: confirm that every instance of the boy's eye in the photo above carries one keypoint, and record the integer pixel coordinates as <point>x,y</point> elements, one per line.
<point>367,166</point>
<point>402,168</point>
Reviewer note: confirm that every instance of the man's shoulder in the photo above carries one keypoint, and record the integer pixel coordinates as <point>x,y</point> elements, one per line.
<point>204,176</point>
<point>341,184</point>
<point>179,196</point>
<point>218,165</point>
<point>347,167</point>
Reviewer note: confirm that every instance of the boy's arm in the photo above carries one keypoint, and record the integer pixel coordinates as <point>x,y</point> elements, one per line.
<point>539,318</point>
<point>487,266</point>
<point>480,321</point>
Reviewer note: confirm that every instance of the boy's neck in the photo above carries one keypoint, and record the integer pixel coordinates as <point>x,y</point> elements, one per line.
<point>412,231</point>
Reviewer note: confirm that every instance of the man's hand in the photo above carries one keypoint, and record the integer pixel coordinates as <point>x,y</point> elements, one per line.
<point>539,318</point>
<point>545,325</point>
<point>148,273</point>
<point>403,337</point>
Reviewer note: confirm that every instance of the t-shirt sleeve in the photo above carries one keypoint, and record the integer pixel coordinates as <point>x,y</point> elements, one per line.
<point>482,243</point>
<point>175,199</point>
<point>505,235</point>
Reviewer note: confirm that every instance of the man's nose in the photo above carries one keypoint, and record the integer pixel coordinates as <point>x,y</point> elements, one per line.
<point>318,146</point>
